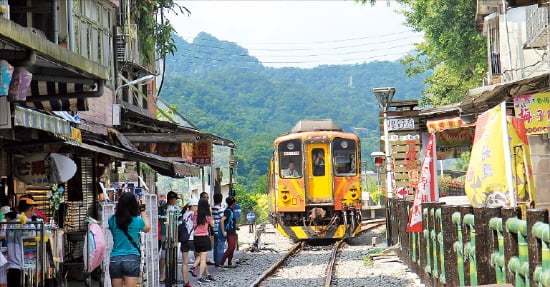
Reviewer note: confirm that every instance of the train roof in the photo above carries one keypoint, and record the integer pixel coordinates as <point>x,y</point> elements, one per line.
<point>315,125</point>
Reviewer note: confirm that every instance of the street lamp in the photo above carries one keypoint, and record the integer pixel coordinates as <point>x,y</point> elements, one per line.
<point>116,107</point>
<point>141,80</point>
<point>384,97</point>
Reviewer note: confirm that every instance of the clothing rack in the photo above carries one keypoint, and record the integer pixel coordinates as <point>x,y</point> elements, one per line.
<point>35,264</point>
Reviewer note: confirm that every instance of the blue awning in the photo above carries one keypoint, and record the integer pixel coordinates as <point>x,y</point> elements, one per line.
<point>35,120</point>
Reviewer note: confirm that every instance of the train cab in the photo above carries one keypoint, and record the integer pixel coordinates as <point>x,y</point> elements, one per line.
<point>314,184</point>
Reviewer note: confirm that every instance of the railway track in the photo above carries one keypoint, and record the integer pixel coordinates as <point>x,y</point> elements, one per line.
<point>313,255</point>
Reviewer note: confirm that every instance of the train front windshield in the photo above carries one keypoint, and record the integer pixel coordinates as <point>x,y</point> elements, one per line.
<point>344,155</point>
<point>290,159</point>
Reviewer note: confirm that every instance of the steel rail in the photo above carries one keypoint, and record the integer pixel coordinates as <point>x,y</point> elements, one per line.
<point>293,250</point>
<point>330,267</point>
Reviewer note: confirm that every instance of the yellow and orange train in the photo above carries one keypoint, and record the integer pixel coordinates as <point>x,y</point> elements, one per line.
<point>314,182</point>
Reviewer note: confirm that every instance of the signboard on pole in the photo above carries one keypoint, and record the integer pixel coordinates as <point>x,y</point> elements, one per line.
<point>202,152</point>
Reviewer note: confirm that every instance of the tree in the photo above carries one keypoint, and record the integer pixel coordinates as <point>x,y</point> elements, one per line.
<point>452,49</point>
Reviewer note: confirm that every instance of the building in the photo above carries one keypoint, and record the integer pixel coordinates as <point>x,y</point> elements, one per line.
<point>78,84</point>
<point>517,59</point>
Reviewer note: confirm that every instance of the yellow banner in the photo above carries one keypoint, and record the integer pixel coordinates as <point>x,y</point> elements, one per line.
<point>534,109</point>
<point>522,170</point>
<point>486,184</point>
<point>500,172</point>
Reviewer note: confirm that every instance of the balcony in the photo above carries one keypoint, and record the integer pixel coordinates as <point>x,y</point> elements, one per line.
<point>128,48</point>
<point>537,27</point>
<point>522,3</point>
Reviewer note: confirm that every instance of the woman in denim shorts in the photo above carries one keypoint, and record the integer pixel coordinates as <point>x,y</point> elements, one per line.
<point>125,226</point>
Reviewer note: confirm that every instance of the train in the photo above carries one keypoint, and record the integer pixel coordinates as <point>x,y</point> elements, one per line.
<point>314,182</point>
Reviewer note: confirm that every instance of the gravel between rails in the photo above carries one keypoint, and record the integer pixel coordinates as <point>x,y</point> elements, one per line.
<point>350,269</point>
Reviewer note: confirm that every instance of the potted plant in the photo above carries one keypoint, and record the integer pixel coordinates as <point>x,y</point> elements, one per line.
<point>62,40</point>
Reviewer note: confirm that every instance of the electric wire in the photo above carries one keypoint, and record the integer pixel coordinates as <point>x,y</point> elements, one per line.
<point>303,49</point>
<point>309,42</point>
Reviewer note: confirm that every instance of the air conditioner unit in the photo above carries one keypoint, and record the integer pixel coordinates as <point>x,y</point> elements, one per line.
<point>120,44</point>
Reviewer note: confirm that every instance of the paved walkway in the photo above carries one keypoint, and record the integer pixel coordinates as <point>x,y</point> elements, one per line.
<point>215,271</point>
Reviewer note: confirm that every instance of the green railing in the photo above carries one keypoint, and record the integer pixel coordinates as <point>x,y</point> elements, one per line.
<point>465,246</point>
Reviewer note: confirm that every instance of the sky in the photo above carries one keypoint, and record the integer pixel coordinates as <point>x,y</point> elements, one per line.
<point>302,34</point>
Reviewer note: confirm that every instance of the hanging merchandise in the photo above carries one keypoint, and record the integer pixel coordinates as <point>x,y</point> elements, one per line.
<point>6,71</point>
<point>95,249</point>
<point>19,85</point>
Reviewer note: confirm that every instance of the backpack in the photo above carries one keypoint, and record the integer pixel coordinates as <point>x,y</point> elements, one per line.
<point>183,232</point>
<point>227,225</point>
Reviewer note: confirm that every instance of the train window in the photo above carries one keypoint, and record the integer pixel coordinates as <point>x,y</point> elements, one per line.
<point>290,159</point>
<point>344,157</point>
<point>318,161</point>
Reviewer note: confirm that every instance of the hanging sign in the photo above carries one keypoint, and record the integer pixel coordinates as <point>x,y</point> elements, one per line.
<point>33,169</point>
<point>400,124</point>
<point>534,109</point>
<point>202,152</point>
<point>44,169</point>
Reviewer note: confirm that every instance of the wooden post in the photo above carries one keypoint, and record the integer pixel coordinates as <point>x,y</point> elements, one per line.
<point>449,238</point>
<point>510,240</point>
<point>485,244</point>
<point>403,235</point>
<point>422,251</point>
<point>434,229</point>
<point>535,251</point>
<point>465,209</point>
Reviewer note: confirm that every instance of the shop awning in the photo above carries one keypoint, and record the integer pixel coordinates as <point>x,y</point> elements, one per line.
<point>444,124</point>
<point>62,80</point>
<point>36,120</point>
<point>150,130</point>
<point>480,99</point>
<point>160,164</point>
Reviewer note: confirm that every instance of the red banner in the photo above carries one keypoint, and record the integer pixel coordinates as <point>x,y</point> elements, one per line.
<point>427,187</point>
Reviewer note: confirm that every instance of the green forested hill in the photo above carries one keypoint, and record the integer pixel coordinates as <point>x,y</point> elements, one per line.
<point>222,90</point>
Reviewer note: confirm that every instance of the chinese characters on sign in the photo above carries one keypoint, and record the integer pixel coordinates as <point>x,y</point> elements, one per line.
<point>534,109</point>
<point>202,152</point>
<point>400,124</point>
<point>33,169</point>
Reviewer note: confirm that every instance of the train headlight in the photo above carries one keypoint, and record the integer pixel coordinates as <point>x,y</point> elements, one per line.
<point>354,195</point>
<point>285,197</point>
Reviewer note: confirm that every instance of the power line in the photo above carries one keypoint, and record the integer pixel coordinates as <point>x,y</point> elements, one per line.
<point>308,57</point>
<point>303,56</point>
<point>188,61</point>
<point>302,43</point>
<point>307,49</point>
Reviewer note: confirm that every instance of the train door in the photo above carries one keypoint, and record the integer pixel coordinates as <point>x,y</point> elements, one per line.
<point>319,174</point>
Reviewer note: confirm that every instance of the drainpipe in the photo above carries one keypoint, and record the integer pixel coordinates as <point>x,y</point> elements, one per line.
<point>70,29</point>
<point>54,22</point>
